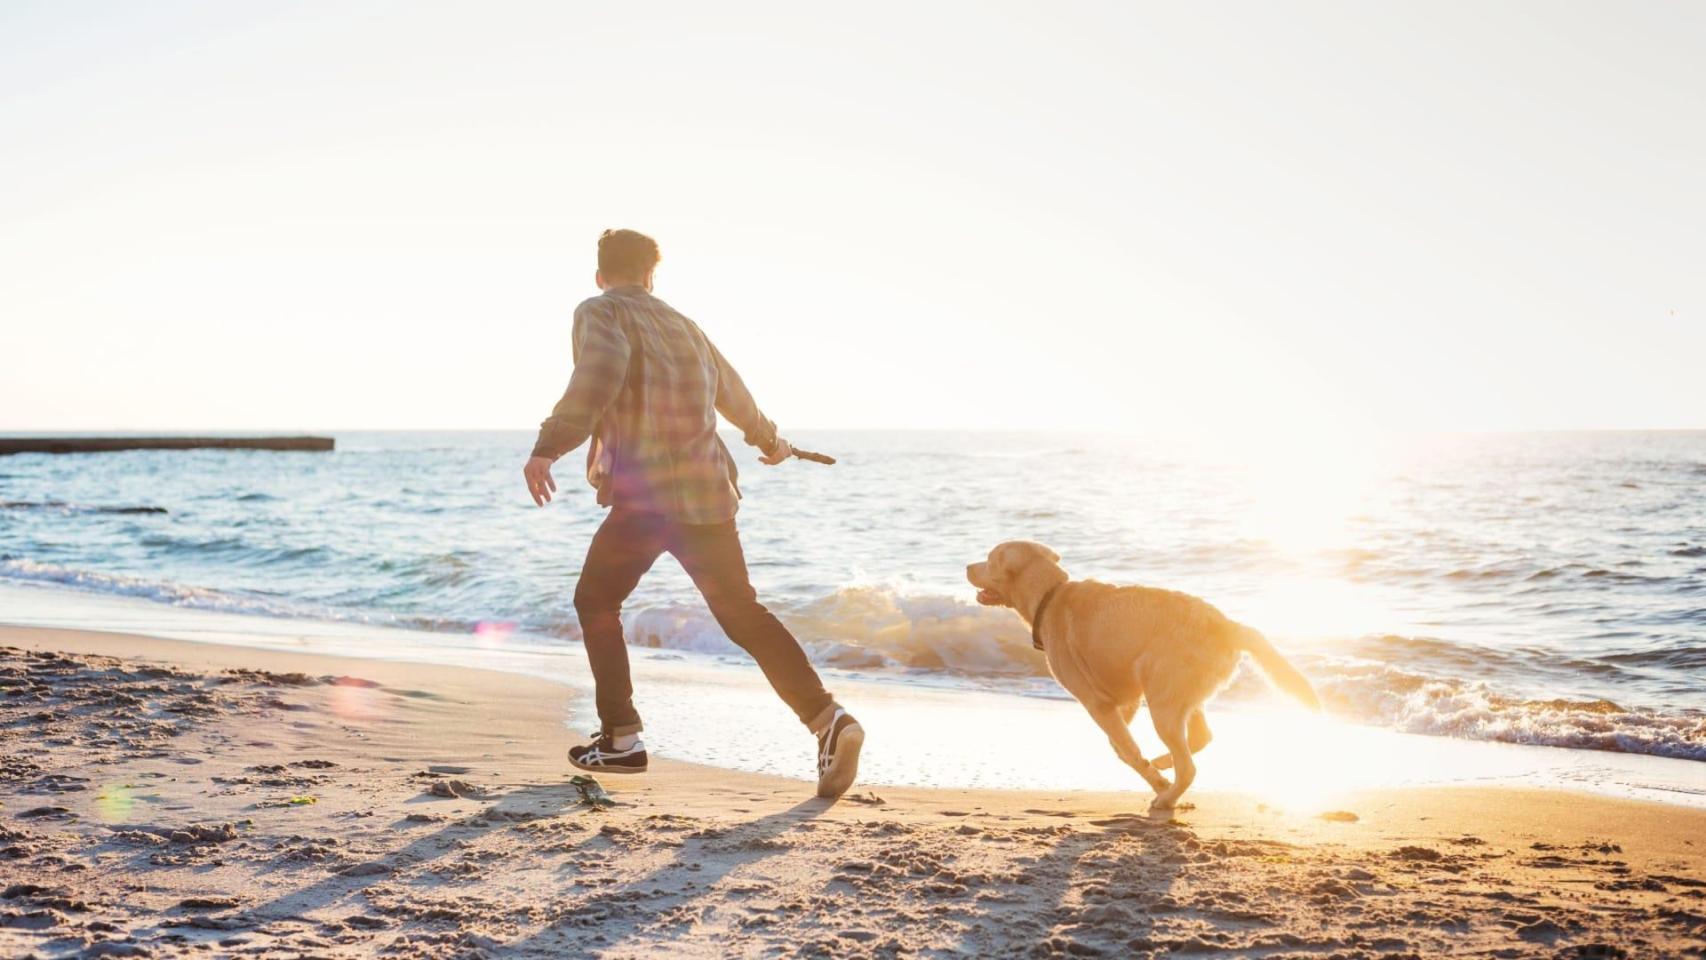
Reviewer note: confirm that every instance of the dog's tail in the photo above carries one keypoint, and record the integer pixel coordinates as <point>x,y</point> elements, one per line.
<point>1281,672</point>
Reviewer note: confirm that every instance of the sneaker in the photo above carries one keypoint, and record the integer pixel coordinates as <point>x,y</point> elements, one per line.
<point>601,755</point>
<point>838,754</point>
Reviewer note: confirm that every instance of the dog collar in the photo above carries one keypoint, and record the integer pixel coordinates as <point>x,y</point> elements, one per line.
<point>1037,621</point>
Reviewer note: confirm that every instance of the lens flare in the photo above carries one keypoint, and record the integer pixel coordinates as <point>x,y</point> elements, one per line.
<point>355,700</point>
<point>492,633</point>
<point>113,804</point>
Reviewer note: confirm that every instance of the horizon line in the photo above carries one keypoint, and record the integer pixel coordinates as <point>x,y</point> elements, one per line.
<point>1100,431</point>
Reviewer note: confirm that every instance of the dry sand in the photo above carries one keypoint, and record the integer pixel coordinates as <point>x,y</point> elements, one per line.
<point>165,798</point>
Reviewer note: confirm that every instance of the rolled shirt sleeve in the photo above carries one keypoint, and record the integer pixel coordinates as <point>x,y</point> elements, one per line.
<point>601,352</point>
<point>736,405</point>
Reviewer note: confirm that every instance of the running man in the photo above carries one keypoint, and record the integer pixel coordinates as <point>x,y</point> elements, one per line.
<point>646,390</point>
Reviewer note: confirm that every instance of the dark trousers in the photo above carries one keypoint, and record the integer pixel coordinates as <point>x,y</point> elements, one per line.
<point>622,550</point>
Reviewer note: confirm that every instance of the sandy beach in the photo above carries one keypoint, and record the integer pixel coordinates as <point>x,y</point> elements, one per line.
<point>395,398</point>
<point>164,798</point>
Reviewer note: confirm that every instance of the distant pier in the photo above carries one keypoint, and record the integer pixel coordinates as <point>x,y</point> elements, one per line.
<point>9,445</point>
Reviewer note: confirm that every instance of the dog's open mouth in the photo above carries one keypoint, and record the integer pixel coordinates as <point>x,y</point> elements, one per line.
<point>990,598</point>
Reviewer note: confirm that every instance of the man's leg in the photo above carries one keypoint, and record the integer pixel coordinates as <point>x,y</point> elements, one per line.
<point>711,554</point>
<point>622,550</point>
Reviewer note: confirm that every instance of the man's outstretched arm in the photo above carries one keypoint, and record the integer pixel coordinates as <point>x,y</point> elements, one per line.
<point>736,405</point>
<point>601,364</point>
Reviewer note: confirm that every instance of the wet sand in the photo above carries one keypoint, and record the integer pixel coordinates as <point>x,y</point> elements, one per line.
<point>163,798</point>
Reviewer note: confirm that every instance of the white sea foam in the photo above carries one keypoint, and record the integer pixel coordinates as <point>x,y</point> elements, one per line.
<point>18,568</point>
<point>176,594</point>
<point>1473,711</point>
<point>876,629</point>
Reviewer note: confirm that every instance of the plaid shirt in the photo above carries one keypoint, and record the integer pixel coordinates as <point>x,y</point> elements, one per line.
<point>647,388</point>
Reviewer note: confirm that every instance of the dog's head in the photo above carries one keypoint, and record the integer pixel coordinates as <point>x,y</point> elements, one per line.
<point>997,578</point>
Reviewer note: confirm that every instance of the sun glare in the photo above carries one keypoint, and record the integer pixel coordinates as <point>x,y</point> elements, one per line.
<point>1303,493</point>
<point>1295,760</point>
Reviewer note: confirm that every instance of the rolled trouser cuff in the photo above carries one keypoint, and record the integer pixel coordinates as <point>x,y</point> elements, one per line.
<point>823,718</point>
<point>623,729</point>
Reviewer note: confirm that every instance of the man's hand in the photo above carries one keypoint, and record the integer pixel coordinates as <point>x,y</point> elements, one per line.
<point>778,453</point>
<point>539,482</point>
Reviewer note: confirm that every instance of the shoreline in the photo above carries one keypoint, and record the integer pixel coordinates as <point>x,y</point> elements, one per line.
<point>703,861</point>
<point>1255,750</point>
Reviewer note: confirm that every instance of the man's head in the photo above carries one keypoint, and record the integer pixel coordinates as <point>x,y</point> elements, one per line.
<point>626,258</point>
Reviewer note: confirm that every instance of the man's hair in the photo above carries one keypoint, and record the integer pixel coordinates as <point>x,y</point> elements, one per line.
<point>626,254</point>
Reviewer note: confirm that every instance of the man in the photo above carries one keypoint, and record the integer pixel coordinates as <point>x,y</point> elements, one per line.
<point>647,388</point>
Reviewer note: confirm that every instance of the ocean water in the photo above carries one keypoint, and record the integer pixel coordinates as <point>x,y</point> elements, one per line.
<point>1539,589</point>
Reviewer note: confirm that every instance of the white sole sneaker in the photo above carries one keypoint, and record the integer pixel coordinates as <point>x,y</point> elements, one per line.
<point>844,762</point>
<point>593,758</point>
<point>604,768</point>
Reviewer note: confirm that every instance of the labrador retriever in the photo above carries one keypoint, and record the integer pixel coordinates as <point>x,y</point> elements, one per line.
<point>1113,647</point>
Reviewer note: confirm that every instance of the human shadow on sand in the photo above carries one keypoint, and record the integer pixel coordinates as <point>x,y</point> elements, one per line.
<point>348,880</point>
<point>661,906</point>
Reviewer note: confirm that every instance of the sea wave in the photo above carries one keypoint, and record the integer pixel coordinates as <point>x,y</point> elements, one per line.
<point>233,549</point>
<point>199,598</point>
<point>879,630</point>
<point>1473,710</point>
<point>871,628</point>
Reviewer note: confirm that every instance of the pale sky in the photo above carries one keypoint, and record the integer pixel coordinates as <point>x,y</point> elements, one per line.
<point>1237,217</point>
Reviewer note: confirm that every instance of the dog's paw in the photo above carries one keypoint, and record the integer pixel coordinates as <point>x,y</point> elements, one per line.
<point>1164,803</point>
<point>1163,762</point>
